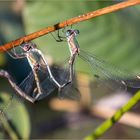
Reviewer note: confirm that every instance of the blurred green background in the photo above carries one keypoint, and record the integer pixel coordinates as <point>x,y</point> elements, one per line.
<point>113,37</point>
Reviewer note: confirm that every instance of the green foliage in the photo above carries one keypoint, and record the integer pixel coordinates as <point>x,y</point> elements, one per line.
<point>114,37</point>
<point>2,59</point>
<point>118,114</point>
<point>14,117</point>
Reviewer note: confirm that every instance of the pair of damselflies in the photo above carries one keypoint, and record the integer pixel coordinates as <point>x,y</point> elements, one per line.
<point>42,80</point>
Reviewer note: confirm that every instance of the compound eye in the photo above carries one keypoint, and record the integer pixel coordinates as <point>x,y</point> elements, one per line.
<point>76,31</point>
<point>33,45</point>
<point>68,32</point>
<point>26,47</point>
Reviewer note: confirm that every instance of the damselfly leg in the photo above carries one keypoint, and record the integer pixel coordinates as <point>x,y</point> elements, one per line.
<point>60,38</point>
<point>6,75</point>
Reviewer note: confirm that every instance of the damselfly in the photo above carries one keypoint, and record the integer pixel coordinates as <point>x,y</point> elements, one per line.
<point>40,82</point>
<point>101,69</point>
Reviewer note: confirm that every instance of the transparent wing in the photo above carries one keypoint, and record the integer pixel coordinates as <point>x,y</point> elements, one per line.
<point>8,101</point>
<point>110,74</point>
<point>28,84</point>
<point>69,91</point>
<point>47,85</point>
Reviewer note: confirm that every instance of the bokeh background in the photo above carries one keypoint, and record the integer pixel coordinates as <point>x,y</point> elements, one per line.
<point>113,37</point>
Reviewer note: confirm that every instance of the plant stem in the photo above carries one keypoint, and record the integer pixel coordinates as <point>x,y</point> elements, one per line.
<point>110,122</point>
<point>7,127</point>
<point>68,22</point>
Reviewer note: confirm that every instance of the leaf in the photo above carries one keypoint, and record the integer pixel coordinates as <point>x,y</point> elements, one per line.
<point>17,114</point>
<point>2,59</point>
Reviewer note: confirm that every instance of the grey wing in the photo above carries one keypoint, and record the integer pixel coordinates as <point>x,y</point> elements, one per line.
<point>110,74</point>
<point>28,84</point>
<point>69,91</point>
<point>46,84</point>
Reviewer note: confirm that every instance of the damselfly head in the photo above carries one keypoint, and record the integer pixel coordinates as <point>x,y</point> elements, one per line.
<point>71,32</point>
<point>76,32</point>
<point>28,45</point>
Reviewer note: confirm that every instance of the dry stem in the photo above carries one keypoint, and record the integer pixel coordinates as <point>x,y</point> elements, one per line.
<point>68,22</point>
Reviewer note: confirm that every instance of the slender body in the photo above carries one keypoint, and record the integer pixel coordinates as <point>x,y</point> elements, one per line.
<point>73,48</point>
<point>101,69</point>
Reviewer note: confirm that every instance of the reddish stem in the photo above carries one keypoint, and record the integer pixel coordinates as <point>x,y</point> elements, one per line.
<point>68,22</point>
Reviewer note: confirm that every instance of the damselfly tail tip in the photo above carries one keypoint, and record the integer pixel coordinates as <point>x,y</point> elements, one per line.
<point>138,76</point>
<point>123,82</point>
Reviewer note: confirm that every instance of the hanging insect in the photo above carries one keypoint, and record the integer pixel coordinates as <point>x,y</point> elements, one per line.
<point>101,70</point>
<point>40,82</point>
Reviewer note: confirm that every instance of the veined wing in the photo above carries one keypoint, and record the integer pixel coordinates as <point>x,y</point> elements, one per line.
<point>28,84</point>
<point>110,74</point>
<point>69,91</point>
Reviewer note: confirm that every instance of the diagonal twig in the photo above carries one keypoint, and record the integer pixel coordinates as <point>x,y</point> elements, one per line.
<point>115,118</point>
<point>68,22</point>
